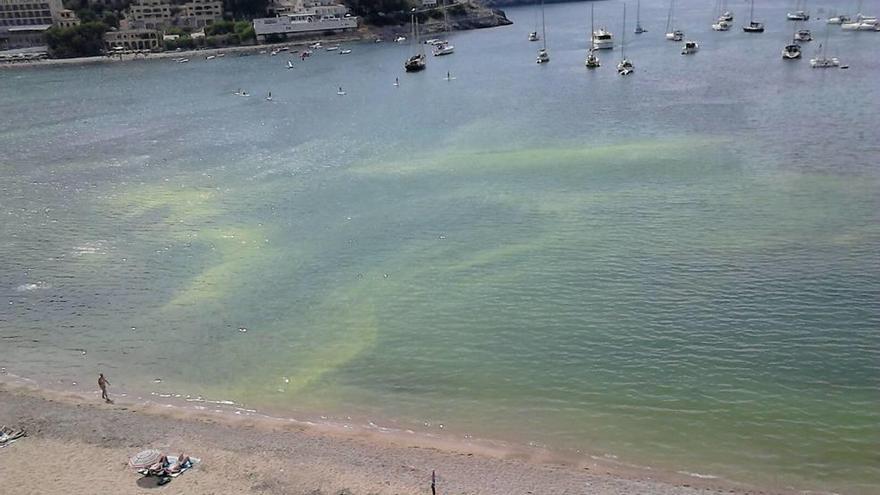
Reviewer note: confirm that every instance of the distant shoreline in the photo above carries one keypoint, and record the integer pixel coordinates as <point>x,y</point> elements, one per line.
<point>192,54</point>
<point>315,458</point>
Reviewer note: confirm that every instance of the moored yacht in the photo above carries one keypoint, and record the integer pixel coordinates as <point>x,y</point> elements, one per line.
<point>625,67</point>
<point>592,60</point>
<point>443,49</point>
<point>543,54</point>
<point>416,62</point>
<point>803,35</point>
<point>822,60</point>
<point>791,52</point>
<point>799,15</point>
<point>721,25</point>
<point>672,34</point>
<point>838,19</point>
<point>639,29</point>
<point>753,26</point>
<point>676,35</point>
<point>603,39</point>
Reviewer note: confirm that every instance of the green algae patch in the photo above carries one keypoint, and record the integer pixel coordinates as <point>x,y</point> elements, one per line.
<point>596,157</point>
<point>278,360</point>
<point>240,253</point>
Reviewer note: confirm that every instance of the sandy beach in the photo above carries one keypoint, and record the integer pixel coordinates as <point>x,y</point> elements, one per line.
<point>77,444</point>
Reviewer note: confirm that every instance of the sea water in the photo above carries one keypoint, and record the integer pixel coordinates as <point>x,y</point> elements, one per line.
<point>676,269</point>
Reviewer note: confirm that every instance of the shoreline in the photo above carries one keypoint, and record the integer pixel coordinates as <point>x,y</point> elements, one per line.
<point>240,50</point>
<point>317,458</point>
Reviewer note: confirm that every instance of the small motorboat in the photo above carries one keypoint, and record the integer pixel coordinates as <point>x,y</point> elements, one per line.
<point>400,39</point>
<point>726,16</point>
<point>340,92</point>
<point>838,19</point>
<point>799,15</point>
<point>332,48</point>
<point>533,36</point>
<point>625,67</point>
<point>210,57</point>
<point>690,48</point>
<point>344,52</point>
<point>803,35</point>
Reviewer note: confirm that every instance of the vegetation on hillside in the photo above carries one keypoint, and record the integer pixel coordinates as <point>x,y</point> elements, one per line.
<point>85,40</point>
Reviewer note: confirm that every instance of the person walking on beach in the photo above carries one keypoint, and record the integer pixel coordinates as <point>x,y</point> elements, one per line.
<point>103,382</point>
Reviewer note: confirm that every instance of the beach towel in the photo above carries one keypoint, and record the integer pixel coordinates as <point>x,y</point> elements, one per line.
<point>172,460</point>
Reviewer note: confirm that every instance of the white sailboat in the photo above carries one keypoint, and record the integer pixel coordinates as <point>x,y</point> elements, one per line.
<point>672,34</point>
<point>799,14</point>
<point>726,15</point>
<point>838,19</point>
<point>533,35</point>
<point>289,65</point>
<point>543,54</point>
<point>443,47</point>
<point>722,22</point>
<point>821,60</point>
<point>792,50</point>
<point>639,29</point>
<point>753,26</point>
<point>592,61</point>
<point>625,67</point>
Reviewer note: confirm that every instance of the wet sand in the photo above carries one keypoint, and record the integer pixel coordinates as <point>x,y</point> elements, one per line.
<point>77,444</point>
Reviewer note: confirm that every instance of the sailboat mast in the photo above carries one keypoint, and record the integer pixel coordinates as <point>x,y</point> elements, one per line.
<point>592,28</point>
<point>543,26</point>
<point>752,12</point>
<point>623,35</point>
<point>638,12</point>
<point>669,16</point>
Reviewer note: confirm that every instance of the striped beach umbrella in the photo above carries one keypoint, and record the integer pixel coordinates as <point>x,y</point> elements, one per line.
<point>145,459</point>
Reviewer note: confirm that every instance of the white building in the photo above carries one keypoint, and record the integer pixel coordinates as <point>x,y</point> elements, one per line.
<point>301,23</point>
<point>158,14</point>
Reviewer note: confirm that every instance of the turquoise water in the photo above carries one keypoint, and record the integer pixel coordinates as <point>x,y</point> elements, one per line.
<point>678,269</point>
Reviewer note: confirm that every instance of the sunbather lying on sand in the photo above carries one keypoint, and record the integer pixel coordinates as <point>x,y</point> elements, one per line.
<point>166,468</point>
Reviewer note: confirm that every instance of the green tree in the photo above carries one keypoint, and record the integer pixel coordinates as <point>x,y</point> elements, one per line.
<point>85,40</point>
